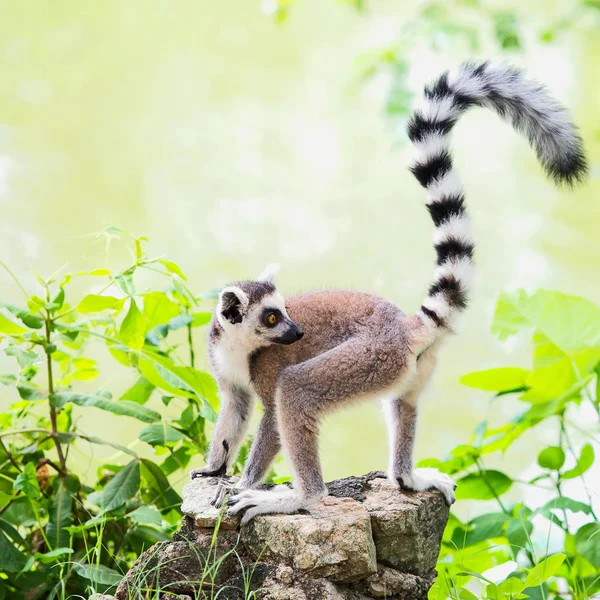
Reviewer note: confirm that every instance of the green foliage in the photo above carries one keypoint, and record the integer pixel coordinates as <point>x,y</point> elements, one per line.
<point>561,384</point>
<point>59,534</point>
<point>458,25</point>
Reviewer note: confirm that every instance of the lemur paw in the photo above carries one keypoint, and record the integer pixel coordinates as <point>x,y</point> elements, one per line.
<point>264,502</point>
<point>208,471</point>
<point>427,478</point>
<point>224,489</point>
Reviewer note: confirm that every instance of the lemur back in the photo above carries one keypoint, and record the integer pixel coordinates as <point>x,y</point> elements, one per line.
<point>313,353</point>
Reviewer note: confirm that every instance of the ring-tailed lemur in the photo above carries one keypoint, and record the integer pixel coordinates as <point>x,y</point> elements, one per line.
<point>356,346</point>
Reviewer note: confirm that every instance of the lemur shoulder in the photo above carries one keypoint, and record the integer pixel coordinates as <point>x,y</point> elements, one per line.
<point>313,353</point>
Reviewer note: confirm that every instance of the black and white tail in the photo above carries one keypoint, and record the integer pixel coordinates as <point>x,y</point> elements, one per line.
<point>531,110</point>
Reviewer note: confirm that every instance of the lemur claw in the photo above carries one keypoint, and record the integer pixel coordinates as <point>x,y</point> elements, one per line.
<point>224,489</point>
<point>263,502</point>
<point>208,472</point>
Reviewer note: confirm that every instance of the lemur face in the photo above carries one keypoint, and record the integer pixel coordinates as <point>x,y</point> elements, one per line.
<point>254,313</point>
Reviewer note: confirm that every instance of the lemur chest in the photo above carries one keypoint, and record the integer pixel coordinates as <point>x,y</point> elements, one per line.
<point>231,363</point>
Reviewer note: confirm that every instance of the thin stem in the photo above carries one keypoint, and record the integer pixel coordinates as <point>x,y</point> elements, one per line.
<point>572,452</point>
<point>491,488</point>
<point>10,456</point>
<point>558,476</point>
<point>14,277</point>
<point>53,414</point>
<point>191,345</point>
<point>9,432</point>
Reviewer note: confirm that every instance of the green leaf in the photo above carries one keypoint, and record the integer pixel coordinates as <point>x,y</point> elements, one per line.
<point>93,303</point>
<point>8,379</point>
<point>125,281</point>
<point>25,358</point>
<point>161,492</point>
<point>66,437</point>
<point>585,461</point>
<point>9,327</point>
<point>177,379</point>
<point>123,407</point>
<point>552,458</point>
<point>544,570</point>
<point>11,559</point>
<point>51,557</point>
<point>146,515</point>
<point>480,528</point>
<point>160,434</point>
<point>180,321</point>
<point>177,460</point>
<point>478,487</point>
<point>587,543</point>
<point>139,392</point>
<point>28,392</point>
<point>566,336</point>
<point>158,310</point>
<point>510,588</point>
<point>31,321</point>
<point>201,318</point>
<point>123,486</point>
<point>563,503</point>
<point>497,380</point>
<point>27,482</point>
<point>132,328</point>
<point>173,268</point>
<point>59,299</point>
<point>506,30</point>
<point>60,515</point>
<point>98,574</point>
<point>518,531</point>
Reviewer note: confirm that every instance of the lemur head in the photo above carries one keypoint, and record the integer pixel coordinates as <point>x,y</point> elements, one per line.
<point>253,312</point>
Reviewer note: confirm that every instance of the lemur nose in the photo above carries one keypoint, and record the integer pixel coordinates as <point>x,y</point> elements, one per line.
<point>299,334</point>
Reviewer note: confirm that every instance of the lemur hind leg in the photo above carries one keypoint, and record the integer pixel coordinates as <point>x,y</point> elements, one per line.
<point>401,416</point>
<point>305,392</point>
<point>232,424</point>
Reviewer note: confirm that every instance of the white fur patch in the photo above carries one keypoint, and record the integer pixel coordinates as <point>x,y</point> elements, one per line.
<point>269,273</point>
<point>262,502</point>
<point>448,185</point>
<point>439,305</point>
<point>462,270</point>
<point>428,478</point>
<point>432,145</point>
<point>457,227</point>
<point>438,109</point>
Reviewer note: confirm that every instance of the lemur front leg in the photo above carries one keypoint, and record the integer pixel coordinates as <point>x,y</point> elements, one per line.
<point>264,448</point>
<point>401,416</point>
<point>232,424</point>
<point>300,435</point>
<point>305,391</point>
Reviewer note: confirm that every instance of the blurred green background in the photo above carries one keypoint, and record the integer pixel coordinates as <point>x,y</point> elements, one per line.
<point>232,139</point>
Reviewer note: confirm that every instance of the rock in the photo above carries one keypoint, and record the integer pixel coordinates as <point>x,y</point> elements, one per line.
<point>366,540</point>
<point>389,583</point>
<point>334,541</point>
<point>197,497</point>
<point>177,566</point>
<point>407,526</point>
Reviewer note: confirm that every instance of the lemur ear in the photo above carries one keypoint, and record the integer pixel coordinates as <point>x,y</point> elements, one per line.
<point>269,273</point>
<point>233,303</point>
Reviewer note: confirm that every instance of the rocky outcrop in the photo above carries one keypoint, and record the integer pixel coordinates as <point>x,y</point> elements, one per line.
<point>366,540</point>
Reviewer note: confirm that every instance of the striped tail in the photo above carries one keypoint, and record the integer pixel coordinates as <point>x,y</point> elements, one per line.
<point>531,110</point>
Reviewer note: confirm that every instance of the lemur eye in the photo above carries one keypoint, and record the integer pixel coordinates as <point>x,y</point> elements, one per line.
<point>271,319</point>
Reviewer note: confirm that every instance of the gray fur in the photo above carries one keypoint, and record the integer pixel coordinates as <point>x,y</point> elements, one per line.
<point>356,346</point>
